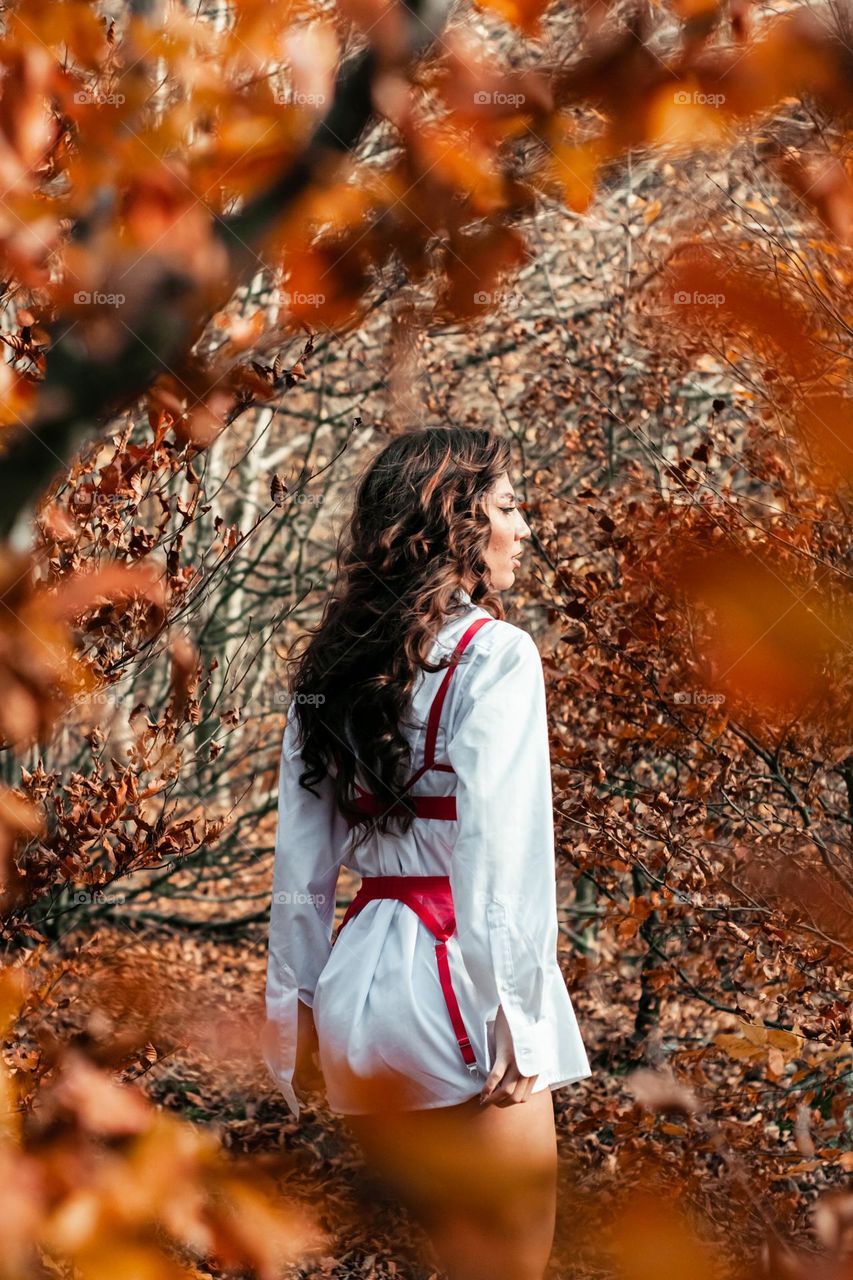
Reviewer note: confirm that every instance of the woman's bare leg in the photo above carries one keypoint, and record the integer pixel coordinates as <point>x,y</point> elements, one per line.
<point>482,1180</point>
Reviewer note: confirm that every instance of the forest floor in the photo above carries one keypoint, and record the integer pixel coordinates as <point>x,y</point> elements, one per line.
<point>195,998</point>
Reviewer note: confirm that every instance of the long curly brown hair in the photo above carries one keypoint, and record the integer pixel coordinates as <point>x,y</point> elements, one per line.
<point>418,530</point>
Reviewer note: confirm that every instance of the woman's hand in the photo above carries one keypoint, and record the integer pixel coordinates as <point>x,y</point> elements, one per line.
<point>505,1085</point>
<point>307,1076</point>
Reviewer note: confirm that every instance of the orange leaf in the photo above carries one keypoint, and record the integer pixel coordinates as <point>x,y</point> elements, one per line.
<point>573,168</point>
<point>525,14</point>
<point>86,590</point>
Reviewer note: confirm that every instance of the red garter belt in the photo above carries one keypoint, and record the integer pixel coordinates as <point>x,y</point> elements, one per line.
<point>431,899</point>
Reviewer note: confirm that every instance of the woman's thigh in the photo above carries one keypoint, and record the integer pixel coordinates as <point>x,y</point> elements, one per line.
<point>493,1168</point>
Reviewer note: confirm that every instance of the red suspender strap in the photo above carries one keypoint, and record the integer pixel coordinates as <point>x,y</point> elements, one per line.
<point>443,807</point>
<point>438,700</point>
<point>468,1054</point>
<point>431,899</point>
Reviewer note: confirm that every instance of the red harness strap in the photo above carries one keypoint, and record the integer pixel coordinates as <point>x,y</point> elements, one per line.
<point>440,807</point>
<point>431,899</point>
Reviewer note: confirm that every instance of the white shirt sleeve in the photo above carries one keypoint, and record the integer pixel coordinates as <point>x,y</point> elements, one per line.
<point>310,837</point>
<point>502,868</point>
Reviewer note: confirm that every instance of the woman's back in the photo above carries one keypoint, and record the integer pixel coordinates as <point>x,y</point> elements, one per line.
<point>425,849</point>
<point>385,1037</point>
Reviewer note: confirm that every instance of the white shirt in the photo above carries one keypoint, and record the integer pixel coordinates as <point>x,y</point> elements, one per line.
<point>378,1006</point>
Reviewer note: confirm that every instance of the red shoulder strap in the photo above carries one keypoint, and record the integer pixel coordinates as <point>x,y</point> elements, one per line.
<point>431,736</point>
<point>438,700</point>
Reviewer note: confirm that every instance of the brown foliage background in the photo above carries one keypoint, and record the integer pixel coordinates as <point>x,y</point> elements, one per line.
<point>625,243</point>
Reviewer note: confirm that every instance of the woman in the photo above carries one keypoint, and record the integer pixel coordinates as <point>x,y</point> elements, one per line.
<point>441,1046</point>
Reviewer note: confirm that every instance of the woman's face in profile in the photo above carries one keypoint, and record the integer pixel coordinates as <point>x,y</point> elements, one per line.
<point>509,529</point>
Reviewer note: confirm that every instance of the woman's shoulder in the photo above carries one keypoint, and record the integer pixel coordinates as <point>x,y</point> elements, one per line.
<point>494,646</point>
<point>501,660</point>
<point>498,635</point>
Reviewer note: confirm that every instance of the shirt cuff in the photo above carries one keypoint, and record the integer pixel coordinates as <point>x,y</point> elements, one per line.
<point>520,990</point>
<point>278,1044</point>
<point>532,1042</point>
